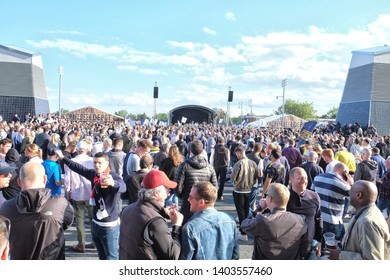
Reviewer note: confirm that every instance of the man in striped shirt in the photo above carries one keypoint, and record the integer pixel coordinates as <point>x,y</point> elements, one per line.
<point>333,188</point>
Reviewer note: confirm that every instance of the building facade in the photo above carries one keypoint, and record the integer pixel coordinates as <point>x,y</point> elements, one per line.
<point>366,96</point>
<point>22,83</point>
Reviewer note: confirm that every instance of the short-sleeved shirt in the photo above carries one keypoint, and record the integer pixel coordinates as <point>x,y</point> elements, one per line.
<point>275,171</point>
<point>53,172</point>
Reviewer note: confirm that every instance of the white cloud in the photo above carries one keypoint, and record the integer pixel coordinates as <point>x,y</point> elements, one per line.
<point>230,16</point>
<point>149,71</point>
<point>209,31</point>
<point>80,49</point>
<point>315,61</point>
<point>65,32</point>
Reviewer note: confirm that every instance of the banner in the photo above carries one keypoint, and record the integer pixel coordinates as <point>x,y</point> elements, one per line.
<point>306,131</point>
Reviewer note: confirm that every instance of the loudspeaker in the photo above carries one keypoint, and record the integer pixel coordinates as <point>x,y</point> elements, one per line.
<point>230,97</point>
<point>155,92</point>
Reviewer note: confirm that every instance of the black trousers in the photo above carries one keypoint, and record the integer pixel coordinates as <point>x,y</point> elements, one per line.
<point>221,172</point>
<point>241,201</point>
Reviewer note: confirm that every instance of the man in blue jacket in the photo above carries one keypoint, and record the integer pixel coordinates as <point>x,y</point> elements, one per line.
<point>209,234</point>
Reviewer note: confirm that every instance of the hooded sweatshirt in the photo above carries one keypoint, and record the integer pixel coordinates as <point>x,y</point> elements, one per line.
<point>366,170</point>
<point>38,224</point>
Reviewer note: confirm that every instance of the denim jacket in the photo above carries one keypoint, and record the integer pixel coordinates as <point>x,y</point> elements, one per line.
<point>210,235</point>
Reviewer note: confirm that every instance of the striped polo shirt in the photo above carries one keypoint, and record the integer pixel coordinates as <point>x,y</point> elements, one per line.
<point>332,190</point>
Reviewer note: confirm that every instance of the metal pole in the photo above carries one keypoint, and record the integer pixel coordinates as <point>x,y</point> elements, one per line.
<point>284,83</point>
<point>60,71</point>
<point>155,104</point>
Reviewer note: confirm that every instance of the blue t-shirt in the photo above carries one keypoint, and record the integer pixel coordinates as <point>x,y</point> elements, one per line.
<point>53,173</point>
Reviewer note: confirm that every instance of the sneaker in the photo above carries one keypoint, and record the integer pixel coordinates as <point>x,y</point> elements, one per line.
<point>90,246</point>
<point>243,237</point>
<point>78,249</point>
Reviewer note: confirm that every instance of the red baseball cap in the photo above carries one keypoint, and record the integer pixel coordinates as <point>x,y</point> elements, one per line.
<point>157,178</point>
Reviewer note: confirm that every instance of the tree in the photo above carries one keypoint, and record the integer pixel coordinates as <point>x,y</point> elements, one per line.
<point>142,116</point>
<point>122,113</point>
<point>302,110</point>
<point>331,114</point>
<point>162,117</point>
<point>63,111</point>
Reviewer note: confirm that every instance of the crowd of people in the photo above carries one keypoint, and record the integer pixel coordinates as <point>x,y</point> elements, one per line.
<point>149,191</point>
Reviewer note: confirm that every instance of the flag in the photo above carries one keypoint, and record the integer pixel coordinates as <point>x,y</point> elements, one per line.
<point>220,121</point>
<point>306,131</point>
<point>244,123</point>
<point>183,119</point>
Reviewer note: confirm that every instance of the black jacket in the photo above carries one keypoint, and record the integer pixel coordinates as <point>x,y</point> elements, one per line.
<point>144,233</point>
<point>38,222</point>
<point>193,170</point>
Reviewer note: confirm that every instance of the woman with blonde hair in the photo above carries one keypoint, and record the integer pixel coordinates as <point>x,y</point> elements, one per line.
<point>169,167</point>
<point>33,153</point>
<point>55,141</point>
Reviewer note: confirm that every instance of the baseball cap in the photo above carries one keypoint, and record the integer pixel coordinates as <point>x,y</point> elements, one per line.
<point>157,178</point>
<point>5,168</point>
<point>82,145</point>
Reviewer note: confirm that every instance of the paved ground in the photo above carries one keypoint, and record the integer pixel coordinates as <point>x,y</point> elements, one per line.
<point>225,205</point>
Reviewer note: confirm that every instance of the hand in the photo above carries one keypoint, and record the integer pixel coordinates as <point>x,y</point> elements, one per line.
<point>106,181</point>
<point>59,154</point>
<point>334,254</point>
<point>176,217</point>
<point>349,179</point>
<point>263,203</point>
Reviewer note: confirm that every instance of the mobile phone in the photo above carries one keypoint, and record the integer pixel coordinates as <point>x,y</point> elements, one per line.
<point>344,175</point>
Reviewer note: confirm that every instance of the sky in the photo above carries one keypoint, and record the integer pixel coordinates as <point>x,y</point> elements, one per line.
<point>113,52</point>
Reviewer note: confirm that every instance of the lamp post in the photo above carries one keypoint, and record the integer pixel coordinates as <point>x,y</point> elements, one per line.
<point>284,84</point>
<point>60,71</point>
<point>155,96</point>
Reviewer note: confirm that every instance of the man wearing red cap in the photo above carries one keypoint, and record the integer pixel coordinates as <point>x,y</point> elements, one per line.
<point>144,232</point>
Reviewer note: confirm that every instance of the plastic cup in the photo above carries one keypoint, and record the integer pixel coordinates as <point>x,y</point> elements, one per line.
<point>103,177</point>
<point>330,240</point>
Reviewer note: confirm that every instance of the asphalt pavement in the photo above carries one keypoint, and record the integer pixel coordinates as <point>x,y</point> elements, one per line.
<point>225,205</point>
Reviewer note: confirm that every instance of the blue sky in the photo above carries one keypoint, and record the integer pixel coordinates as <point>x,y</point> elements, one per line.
<point>113,52</point>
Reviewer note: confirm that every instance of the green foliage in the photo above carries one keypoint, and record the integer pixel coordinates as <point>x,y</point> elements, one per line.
<point>235,120</point>
<point>142,116</point>
<point>162,117</point>
<point>122,113</point>
<point>302,110</point>
<point>331,114</point>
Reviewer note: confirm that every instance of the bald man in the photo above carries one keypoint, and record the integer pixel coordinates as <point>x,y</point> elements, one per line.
<point>35,212</point>
<point>367,236</point>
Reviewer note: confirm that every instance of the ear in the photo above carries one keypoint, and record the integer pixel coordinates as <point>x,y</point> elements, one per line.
<point>359,195</point>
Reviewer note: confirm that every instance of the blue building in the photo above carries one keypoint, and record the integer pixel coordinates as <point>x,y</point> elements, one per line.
<point>366,96</point>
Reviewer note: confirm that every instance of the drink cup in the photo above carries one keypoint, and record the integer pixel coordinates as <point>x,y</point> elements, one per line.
<point>330,240</point>
<point>103,176</point>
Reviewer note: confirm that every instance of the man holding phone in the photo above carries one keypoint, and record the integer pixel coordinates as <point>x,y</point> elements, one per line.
<point>333,188</point>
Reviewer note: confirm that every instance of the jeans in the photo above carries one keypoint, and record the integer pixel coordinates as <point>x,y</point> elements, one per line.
<point>346,206</point>
<point>252,198</point>
<point>79,212</point>
<point>220,172</point>
<point>107,241</point>
<point>241,201</point>
<point>384,204</point>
